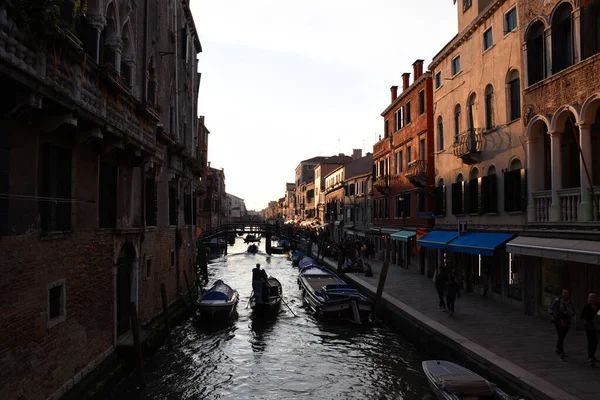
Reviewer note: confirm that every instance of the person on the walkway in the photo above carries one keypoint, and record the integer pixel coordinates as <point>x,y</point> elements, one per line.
<point>452,292</point>
<point>587,315</point>
<point>259,279</point>
<point>440,285</point>
<point>562,311</point>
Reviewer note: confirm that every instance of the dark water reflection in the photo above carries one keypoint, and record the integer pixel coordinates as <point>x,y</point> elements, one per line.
<point>283,358</point>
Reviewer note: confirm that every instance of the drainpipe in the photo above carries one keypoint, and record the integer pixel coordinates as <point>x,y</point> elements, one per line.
<point>177,255</point>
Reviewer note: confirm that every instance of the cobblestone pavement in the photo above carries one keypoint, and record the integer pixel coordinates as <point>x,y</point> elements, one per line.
<point>505,331</point>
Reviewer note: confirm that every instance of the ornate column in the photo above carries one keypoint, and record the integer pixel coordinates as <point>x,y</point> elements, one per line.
<point>576,35</point>
<point>116,44</point>
<point>555,207</point>
<point>98,22</point>
<point>532,177</point>
<point>585,208</point>
<point>525,71</point>
<point>548,51</point>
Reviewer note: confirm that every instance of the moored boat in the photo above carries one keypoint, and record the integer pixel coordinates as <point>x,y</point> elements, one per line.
<point>271,299</point>
<point>450,381</point>
<point>218,301</point>
<point>329,296</point>
<point>296,257</point>
<point>251,238</point>
<point>252,249</point>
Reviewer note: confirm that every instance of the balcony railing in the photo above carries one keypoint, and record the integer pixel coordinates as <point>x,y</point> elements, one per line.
<point>467,146</point>
<point>382,184</point>
<point>416,172</point>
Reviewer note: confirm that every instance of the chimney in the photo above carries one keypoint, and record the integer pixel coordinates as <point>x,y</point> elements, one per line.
<point>394,90</point>
<point>405,78</point>
<point>357,153</point>
<point>417,69</point>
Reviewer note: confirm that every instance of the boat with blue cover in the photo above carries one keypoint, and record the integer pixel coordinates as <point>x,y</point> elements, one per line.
<point>218,301</point>
<point>329,296</point>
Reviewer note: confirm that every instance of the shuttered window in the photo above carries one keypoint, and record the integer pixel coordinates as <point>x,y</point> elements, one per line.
<point>457,198</point>
<point>440,200</point>
<point>473,194</point>
<point>515,190</point>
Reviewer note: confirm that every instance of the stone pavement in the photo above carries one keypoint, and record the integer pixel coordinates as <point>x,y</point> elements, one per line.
<point>519,345</point>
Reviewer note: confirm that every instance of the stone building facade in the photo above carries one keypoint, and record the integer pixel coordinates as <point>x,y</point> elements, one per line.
<point>479,147</point>
<point>97,177</point>
<point>561,96</point>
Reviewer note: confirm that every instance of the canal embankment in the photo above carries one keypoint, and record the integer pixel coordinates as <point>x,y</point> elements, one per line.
<point>489,338</point>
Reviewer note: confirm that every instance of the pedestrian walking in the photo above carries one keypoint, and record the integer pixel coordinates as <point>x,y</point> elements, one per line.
<point>562,311</point>
<point>588,314</point>
<point>440,285</point>
<point>452,292</point>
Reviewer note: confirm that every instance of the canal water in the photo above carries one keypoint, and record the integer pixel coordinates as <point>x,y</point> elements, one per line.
<point>290,357</point>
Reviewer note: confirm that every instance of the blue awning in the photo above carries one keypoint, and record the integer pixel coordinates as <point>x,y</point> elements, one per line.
<point>479,243</point>
<point>437,239</point>
<point>403,236</point>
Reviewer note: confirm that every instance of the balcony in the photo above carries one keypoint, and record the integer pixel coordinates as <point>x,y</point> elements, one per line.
<point>467,146</point>
<point>569,210</point>
<point>382,184</point>
<point>416,172</point>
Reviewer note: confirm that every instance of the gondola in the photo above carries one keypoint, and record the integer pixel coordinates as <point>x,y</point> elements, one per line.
<point>251,238</point>
<point>252,249</point>
<point>329,296</point>
<point>296,257</point>
<point>218,302</point>
<point>451,381</point>
<point>271,299</point>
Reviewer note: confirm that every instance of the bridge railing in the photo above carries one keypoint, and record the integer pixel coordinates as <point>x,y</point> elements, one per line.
<point>248,228</point>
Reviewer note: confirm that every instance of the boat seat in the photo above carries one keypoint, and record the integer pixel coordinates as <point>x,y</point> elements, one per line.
<point>466,385</point>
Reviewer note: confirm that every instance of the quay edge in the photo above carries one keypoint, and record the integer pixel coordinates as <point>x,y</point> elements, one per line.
<point>442,342</point>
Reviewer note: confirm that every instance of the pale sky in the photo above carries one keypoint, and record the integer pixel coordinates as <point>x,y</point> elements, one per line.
<point>283,80</point>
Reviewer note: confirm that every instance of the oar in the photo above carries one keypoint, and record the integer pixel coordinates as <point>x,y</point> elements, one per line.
<point>288,306</point>
<point>249,298</point>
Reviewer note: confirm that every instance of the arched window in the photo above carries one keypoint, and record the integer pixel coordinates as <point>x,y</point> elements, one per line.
<point>515,165</point>
<point>489,107</point>
<point>562,37</point>
<point>536,53</point>
<point>489,192</point>
<point>472,200</point>
<point>491,170</point>
<point>456,122</point>
<point>569,149</point>
<point>440,126</point>
<point>459,178</point>
<point>590,37</point>
<point>457,193</point>
<point>513,95</point>
<point>471,111</point>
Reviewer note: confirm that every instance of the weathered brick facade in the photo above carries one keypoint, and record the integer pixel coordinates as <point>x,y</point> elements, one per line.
<point>89,131</point>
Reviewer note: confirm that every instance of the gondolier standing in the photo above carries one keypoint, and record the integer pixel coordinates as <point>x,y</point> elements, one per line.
<point>259,279</point>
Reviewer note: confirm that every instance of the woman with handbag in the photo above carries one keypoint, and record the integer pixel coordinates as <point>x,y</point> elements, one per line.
<point>562,311</point>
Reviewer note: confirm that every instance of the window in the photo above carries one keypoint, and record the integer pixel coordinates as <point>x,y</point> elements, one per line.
<point>184,43</point>
<point>457,193</point>
<point>440,126</point>
<point>466,5</point>
<point>56,302</point>
<point>438,80</point>
<point>407,113</point>
<point>408,155</point>
<point>399,166</point>
<point>590,36</point>
<point>5,146</point>
<point>187,210</point>
<point>406,205</point>
<point>151,201</point>
<point>107,195</point>
<point>386,128</point>
<point>536,53</point>
<point>440,198</point>
<point>489,107</point>
<point>471,111</point>
<point>562,37</point>
<point>148,267</point>
<point>472,201</point>
<point>488,39</point>
<point>422,149</point>
<point>172,258</point>
<point>455,65</point>
<point>515,190</point>
<point>514,95</point>
<point>421,102</point>
<point>456,122</point>
<point>56,184</point>
<point>422,200</point>
<point>173,205</point>
<point>489,192</point>
<point>510,21</point>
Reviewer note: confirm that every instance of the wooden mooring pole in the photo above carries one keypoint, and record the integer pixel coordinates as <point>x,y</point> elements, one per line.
<point>163,292</point>
<point>382,276</point>
<point>137,344</point>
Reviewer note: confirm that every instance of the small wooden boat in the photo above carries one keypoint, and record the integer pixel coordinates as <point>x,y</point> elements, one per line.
<point>218,301</point>
<point>271,299</point>
<point>451,381</point>
<point>329,296</point>
<point>296,257</point>
<point>251,238</point>
<point>252,249</point>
